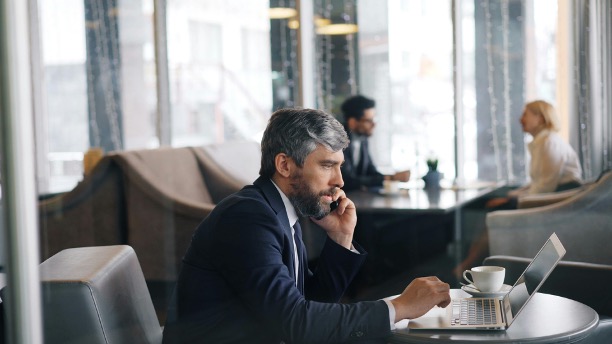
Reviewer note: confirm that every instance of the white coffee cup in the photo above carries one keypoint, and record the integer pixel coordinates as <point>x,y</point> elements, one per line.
<point>391,186</point>
<point>486,278</point>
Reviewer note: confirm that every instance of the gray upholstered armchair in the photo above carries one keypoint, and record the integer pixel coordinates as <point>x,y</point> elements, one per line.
<point>583,222</point>
<point>97,295</point>
<point>539,200</point>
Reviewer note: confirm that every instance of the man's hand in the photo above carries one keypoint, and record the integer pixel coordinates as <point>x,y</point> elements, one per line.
<point>402,176</point>
<point>496,202</point>
<point>340,223</point>
<point>421,295</point>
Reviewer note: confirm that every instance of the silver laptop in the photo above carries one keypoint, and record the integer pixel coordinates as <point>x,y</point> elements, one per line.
<point>495,313</point>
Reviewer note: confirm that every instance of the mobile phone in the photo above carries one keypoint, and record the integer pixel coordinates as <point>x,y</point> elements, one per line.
<point>333,205</point>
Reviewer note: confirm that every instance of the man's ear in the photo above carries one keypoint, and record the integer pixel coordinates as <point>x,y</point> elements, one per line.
<point>283,164</point>
<point>351,123</point>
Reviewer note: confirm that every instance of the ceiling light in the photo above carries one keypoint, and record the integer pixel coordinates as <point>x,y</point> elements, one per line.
<point>293,24</point>
<point>281,12</point>
<point>337,29</point>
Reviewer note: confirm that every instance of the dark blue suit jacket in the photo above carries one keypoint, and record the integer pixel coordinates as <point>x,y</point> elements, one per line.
<point>237,282</point>
<point>362,174</point>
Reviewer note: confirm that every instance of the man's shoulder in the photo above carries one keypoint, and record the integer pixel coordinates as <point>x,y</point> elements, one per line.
<point>245,206</point>
<point>248,195</point>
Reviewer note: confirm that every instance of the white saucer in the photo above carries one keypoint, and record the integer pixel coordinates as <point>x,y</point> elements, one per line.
<point>470,289</point>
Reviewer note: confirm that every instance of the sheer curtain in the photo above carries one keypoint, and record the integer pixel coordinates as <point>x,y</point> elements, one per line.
<point>592,83</point>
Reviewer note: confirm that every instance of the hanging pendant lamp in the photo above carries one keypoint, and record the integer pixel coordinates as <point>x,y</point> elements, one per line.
<point>342,25</point>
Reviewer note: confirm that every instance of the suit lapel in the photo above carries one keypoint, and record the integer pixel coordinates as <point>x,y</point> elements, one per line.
<point>276,202</point>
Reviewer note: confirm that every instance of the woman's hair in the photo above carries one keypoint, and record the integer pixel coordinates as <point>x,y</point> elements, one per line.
<point>547,111</point>
<point>297,132</point>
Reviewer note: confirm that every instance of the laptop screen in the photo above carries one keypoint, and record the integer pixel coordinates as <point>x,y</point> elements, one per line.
<point>531,279</point>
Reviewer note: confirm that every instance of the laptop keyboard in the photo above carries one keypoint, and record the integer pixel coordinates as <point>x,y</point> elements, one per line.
<point>473,312</point>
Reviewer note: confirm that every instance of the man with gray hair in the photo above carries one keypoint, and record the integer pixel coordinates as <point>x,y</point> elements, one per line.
<point>245,278</point>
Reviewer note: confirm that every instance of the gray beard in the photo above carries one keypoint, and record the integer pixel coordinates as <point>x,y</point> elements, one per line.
<point>308,204</point>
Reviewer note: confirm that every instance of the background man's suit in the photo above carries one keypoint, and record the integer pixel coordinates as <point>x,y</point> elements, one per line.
<point>363,173</point>
<point>238,285</point>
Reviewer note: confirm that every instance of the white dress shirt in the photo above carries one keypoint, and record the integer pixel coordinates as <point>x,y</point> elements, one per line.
<point>293,218</point>
<point>356,143</point>
<point>553,162</point>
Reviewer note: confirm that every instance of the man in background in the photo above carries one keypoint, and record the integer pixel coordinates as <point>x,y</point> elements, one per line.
<point>358,170</point>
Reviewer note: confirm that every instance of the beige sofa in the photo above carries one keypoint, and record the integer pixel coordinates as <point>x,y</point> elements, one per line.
<point>93,213</point>
<point>166,197</point>
<point>151,200</point>
<point>583,223</point>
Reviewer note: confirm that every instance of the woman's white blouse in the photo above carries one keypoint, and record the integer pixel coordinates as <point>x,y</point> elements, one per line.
<point>553,162</point>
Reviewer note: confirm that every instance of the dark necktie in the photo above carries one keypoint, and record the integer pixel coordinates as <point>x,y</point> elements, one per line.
<point>300,253</point>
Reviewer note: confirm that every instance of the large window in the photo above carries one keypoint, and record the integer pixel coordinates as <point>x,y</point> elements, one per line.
<point>99,84</point>
<point>406,64</point>
<point>230,65</point>
<point>65,119</point>
<point>100,78</point>
<point>219,66</point>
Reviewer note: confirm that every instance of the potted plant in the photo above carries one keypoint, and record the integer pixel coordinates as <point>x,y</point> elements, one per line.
<point>432,178</point>
<point>432,164</point>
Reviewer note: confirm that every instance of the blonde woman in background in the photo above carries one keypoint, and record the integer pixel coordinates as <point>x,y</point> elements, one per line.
<point>554,166</point>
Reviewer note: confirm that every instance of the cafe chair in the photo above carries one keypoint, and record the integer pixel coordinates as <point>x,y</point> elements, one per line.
<point>97,295</point>
<point>582,222</point>
<point>539,200</point>
<point>583,282</point>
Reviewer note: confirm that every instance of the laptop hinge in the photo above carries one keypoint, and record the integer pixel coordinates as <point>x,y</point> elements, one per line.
<point>503,311</point>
